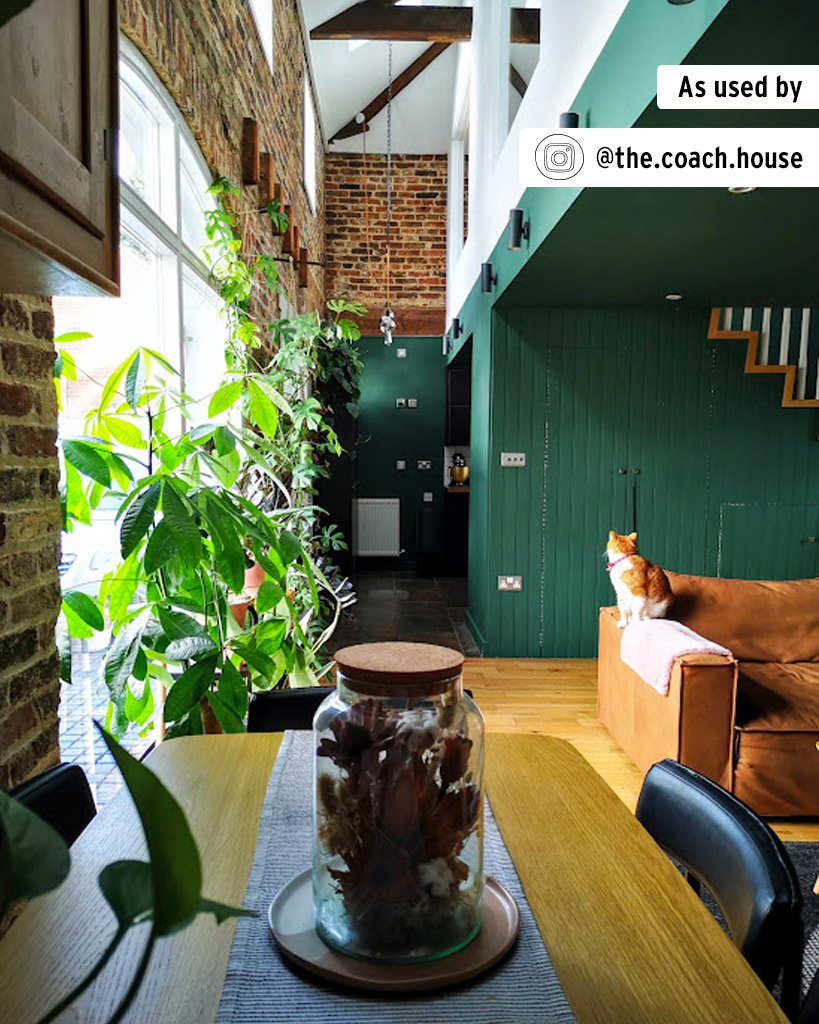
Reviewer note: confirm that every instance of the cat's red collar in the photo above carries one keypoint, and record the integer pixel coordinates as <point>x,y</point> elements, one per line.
<point>616,561</point>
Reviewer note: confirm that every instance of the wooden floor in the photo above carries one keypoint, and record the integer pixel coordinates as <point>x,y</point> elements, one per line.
<point>558,697</point>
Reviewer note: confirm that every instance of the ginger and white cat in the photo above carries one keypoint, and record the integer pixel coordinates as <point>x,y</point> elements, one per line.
<point>642,588</point>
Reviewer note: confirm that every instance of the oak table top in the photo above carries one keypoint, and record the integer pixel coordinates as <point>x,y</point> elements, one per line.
<point>629,940</point>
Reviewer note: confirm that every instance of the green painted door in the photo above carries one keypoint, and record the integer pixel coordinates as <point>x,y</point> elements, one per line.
<point>586,494</point>
<point>624,451</point>
<point>768,541</point>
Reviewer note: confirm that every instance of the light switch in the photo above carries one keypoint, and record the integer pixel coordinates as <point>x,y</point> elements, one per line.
<point>401,353</point>
<point>412,403</point>
<point>400,463</point>
<point>428,495</point>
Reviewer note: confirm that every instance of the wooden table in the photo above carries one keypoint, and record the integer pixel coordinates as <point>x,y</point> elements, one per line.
<point>629,940</point>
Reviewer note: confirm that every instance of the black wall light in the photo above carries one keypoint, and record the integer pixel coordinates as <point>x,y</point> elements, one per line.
<point>488,279</point>
<point>457,328</point>
<point>518,230</point>
<point>569,120</point>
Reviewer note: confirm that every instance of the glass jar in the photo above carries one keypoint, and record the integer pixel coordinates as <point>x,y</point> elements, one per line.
<point>398,849</point>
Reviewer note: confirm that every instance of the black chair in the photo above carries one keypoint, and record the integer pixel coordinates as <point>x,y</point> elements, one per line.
<point>62,797</point>
<point>277,710</point>
<point>722,843</point>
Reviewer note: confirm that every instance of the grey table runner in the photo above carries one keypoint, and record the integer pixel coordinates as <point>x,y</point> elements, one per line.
<point>261,987</point>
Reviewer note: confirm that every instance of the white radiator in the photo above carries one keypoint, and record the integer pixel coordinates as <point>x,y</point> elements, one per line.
<point>376,526</point>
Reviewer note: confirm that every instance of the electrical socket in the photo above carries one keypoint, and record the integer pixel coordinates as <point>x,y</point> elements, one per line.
<point>513,460</point>
<point>428,496</point>
<point>424,464</point>
<point>400,403</point>
<point>510,583</point>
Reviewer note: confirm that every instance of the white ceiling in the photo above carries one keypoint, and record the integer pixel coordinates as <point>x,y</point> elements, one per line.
<point>349,75</point>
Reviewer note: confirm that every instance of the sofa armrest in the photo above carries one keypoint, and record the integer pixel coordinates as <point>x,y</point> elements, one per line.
<point>693,723</point>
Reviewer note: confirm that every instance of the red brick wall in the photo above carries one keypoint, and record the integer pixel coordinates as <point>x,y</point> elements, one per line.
<point>418,242</point>
<point>29,540</point>
<point>210,59</point>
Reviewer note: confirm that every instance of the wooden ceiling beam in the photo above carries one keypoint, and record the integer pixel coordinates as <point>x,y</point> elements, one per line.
<point>375,20</point>
<point>400,83</point>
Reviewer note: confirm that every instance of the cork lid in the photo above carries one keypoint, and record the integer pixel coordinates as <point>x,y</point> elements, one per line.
<point>385,668</point>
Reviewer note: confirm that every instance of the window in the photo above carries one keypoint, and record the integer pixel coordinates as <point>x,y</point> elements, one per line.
<point>263,16</point>
<point>167,304</point>
<point>309,144</point>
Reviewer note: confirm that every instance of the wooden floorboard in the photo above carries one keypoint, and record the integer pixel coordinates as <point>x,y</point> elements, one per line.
<point>558,697</point>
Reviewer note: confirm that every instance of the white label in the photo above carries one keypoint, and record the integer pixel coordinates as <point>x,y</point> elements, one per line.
<point>670,157</point>
<point>738,87</point>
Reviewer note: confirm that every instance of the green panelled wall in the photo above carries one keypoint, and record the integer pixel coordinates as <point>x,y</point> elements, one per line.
<point>386,434</point>
<point>728,481</point>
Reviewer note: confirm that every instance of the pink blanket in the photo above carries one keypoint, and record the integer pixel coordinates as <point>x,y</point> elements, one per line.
<point>651,646</point>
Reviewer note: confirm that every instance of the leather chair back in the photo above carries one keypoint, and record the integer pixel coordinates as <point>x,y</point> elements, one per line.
<point>277,710</point>
<point>737,856</point>
<point>62,797</point>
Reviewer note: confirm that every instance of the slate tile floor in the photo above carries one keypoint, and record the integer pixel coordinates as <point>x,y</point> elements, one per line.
<point>390,606</point>
<point>404,606</point>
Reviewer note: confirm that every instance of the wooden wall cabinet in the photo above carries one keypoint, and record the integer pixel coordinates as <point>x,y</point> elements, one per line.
<point>59,195</point>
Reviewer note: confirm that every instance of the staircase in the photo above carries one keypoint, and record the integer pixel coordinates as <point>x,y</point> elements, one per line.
<point>782,341</point>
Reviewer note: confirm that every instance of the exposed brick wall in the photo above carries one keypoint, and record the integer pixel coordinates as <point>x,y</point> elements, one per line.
<point>29,540</point>
<point>418,237</point>
<point>209,57</point>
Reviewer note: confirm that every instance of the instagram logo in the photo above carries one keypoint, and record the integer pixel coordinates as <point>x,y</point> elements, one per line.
<point>558,157</point>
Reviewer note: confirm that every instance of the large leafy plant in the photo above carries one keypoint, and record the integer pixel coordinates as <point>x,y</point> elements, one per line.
<point>165,891</point>
<point>202,498</point>
<point>186,535</point>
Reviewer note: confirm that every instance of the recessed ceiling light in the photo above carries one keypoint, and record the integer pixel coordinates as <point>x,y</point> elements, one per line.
<point>741,190</point>
<point>673,296</point>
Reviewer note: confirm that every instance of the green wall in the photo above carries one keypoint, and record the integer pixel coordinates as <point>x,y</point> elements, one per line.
<point>728,481</point>
<point>386,434</point>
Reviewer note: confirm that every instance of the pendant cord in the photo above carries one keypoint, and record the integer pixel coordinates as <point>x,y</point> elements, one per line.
<point>365,186</point>
<point>389,163</point>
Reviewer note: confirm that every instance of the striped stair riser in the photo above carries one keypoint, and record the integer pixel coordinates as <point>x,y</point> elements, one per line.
<point>782,341</point>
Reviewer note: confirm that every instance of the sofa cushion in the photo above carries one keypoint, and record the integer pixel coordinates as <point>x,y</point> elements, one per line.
<point>778,698</point>
<point>757,620</point>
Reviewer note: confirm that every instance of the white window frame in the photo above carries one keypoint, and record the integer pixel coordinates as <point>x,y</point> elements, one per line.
<point>262,11</point>
<point>170,235</point>
<point>309,129</point>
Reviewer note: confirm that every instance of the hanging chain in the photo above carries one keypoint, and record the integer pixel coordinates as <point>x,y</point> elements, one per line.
<point>389,161</point>
<point>365,185</point>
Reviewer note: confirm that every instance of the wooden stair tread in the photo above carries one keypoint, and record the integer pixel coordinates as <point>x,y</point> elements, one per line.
<point>717,333</point>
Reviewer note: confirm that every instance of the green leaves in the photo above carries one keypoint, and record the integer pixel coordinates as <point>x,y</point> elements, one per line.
<point>190,688</point>
<point>261,409</point>
<point>79,609</point>
<point>176,871</point>
<point>225,397</point>
<point>88,460</point>
<point>181,525</point>
<point>33,857</point>
<point>138,518</point>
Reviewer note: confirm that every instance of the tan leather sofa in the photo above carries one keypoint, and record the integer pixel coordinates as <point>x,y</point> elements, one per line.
<point>750,724</point>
